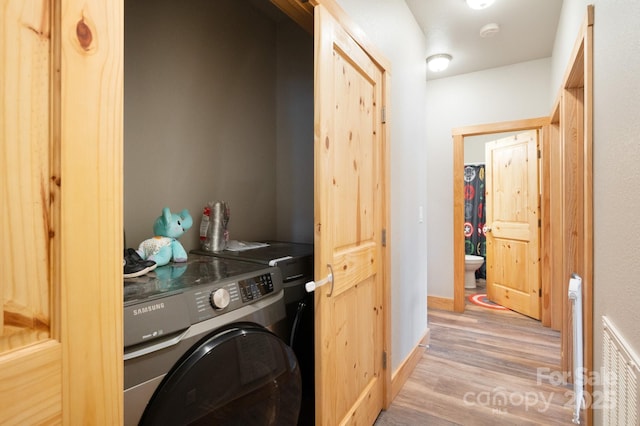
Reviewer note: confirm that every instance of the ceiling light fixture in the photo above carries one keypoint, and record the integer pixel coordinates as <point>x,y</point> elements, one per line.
<point>479,4</point>
<point>439,62</point>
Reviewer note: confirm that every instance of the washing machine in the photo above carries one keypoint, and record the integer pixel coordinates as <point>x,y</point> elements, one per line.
<point>295,261</point>
<point>198,346</point>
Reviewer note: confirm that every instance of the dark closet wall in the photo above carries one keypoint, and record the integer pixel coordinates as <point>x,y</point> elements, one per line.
<point>218,106</point>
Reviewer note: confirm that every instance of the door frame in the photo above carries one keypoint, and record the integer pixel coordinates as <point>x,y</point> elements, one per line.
<point>459,134</point>
<point>572,126</point>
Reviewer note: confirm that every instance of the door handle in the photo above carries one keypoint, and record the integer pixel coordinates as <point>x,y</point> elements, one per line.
<point>312,285</point>
<point>486,229</point>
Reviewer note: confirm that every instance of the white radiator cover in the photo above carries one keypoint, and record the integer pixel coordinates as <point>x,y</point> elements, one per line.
<point>621,369</point>
<point>575,295</point>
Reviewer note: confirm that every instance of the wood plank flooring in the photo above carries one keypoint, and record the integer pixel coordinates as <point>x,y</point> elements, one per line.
<point>484,367</point>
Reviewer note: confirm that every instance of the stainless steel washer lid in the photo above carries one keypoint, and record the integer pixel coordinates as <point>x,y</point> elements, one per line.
<point>295,260</point>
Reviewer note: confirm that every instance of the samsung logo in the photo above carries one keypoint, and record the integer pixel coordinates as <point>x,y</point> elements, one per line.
<point>147,309</point>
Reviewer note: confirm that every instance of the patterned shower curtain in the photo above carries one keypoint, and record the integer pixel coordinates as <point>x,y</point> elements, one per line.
<point>474,217</point>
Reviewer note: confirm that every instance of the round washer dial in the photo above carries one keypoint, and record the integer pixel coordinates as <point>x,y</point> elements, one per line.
<point>220,298</point>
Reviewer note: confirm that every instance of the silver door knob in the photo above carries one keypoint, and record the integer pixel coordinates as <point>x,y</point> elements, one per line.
<point>486,229</point>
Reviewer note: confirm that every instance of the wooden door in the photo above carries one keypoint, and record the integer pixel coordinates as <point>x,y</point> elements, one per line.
<point>30,358</point>
<point>349,182</point>
<point>512,209</point>
<point>61,110</point>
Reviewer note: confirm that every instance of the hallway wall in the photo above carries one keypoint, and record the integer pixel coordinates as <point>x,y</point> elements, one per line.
<point>499,94</point>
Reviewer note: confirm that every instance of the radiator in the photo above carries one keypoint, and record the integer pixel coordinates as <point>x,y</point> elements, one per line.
<point>575,295</point>
<point>620,369</point>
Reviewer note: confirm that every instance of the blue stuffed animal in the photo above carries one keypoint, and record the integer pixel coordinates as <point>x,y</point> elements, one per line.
<point>164,246</point>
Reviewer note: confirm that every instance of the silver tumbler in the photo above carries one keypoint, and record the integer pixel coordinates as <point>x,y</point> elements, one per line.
<point>217,233</point>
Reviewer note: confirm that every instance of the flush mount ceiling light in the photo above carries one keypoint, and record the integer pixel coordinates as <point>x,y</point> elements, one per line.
<point>439,62</point>
<point>479,4</point>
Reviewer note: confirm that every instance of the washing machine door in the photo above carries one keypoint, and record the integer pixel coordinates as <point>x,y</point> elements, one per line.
<point>241,374</point>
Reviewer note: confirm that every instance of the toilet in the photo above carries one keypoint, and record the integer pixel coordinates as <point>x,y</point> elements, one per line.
<point>471,264</point>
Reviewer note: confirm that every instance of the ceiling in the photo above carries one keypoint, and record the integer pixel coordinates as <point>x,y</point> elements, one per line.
<point>527,32</point>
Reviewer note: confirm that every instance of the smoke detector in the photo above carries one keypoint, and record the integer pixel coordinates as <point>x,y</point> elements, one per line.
<point>479,4</point>
<point>489,30</point>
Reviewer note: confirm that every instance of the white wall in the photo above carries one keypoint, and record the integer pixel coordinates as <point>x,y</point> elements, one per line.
<point>474,151</point>
<point>391,27</point>
<point>617,165</point>
<point>571,19</point>
<point>616,160</point>
<point>500,94</point>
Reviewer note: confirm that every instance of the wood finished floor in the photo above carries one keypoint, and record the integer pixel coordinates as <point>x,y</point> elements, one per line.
<point>482,368</point>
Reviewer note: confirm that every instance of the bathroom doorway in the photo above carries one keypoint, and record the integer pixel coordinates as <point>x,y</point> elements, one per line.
<point>482,134</point>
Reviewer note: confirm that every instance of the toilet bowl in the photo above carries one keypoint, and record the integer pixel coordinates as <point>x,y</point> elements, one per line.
<point>471,264</point>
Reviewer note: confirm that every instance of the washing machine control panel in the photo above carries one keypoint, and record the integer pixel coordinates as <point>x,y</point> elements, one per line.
<point>249,290</point>
<point>214,299</point>
<point>167,301</point>
<point>256,287</point>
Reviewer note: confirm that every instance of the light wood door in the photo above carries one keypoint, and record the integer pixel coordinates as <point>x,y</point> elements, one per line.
<point>348,226</point>
<point>512,209</point>
<point>61,110</point>
<point>30,356</point>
